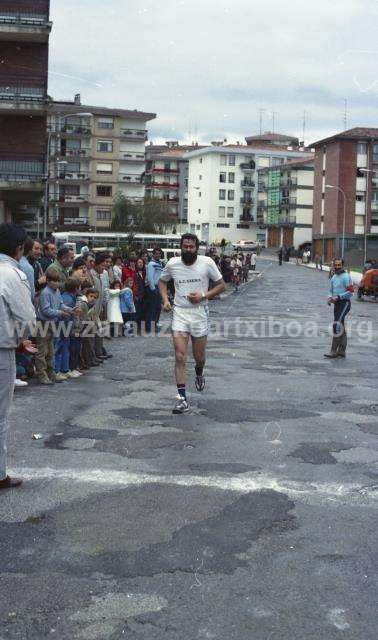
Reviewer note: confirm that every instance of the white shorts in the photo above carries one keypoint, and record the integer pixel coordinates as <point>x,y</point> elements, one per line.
<point>194,322</point>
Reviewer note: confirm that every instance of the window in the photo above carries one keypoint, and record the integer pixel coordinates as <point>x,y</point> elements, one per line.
<point>103,214</point>
<point>230,212</point>
<point>105,146</point>
<point>198,226</point>
<point>192,228</point>
<point>276,162</point>
<point>200,194</point>
<point>223,160</point>
<point>103,191</point>
<point>221,212</point>
<point>104,168</point>
<point>231,194</point>
<point>70,167</point>
<point>231,160</point>
<point>242,226</point>
<point>223,225</point>
<point>73,144</point>
<point>200,160</point>
<point>222,177</point>
<point>231,177</point>
<point>360,197</point>
<point>199,177</point>
<point>361,148</point>
<point>105,123</point>
<point>199,211</point>
<point>222,194</point>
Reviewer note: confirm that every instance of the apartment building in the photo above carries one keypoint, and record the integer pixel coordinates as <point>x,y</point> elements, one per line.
<point>24,44</point>
<point>167,171</point>
<point>285,202</point>
<point>95,153</point>
<point>223,190</point>
<point>273,139</point>
<point>346,195</point>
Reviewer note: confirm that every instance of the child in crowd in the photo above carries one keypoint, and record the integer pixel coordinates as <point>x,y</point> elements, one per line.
<point>127,307</point>
<point>87,304</point>
<point>114,311</point>
<point>51,309</point>
<point>67,345</point>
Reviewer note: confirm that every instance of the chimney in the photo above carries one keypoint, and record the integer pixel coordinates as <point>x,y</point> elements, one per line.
<point>77,99</point>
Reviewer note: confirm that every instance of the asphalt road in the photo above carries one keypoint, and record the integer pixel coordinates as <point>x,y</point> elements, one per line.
<point>252,517</point>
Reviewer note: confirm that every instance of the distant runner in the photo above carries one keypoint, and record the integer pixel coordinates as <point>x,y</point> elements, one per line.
<point>191,274</point>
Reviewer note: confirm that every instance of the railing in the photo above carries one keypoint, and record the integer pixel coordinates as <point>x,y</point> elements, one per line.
<point>22,89</point>
<point>132,178</point>
<point>75,221</point>
<point>134,157</point>
<point>262,187</point>
<point>64,198</point>
<point>21,177</point>
<point>287,220</point>
<point>162,171</point>
<point>246,218</point>
<point>247,166</point>
<point>73,176</point>
<point>134,134</point>
<point>25,19</point>
<point>290,182</point>
<point>262,207</point>
<point>75,129</point>
<point>164,185</point>
<point>289,202</point>
<point>247,184</point>
<point>246,201</point>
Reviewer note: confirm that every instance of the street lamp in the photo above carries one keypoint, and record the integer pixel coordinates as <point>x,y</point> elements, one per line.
<point>332,186</point>
<point>366,208</point>
<point>46,197</point>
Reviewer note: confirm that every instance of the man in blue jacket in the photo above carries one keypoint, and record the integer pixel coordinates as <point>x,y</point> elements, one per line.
<point>154,271</point>
<point>341,291</point>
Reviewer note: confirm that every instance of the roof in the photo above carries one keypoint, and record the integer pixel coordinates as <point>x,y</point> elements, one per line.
<point>250,151</point>
<point>358,133</point>
<point>169,154</point>
<point>72,108</point>
<point>298,163</point>
<point>269,135</point>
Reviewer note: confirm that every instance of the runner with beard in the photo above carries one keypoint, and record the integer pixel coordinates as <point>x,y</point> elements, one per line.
<point>191,274</point>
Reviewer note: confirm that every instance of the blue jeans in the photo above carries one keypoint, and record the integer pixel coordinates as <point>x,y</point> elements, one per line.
<point>62,355</point>
<point>153,308</point>
<point>75,348</point>
<point>7,376</point>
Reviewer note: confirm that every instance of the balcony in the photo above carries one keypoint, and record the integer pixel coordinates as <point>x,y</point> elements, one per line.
<point>134,134</point>
<point>246,218</point>
<point>248,201</point>
<point>131,178</point>
<point>83,152</point>
<point>68,222</point>
<point>164,171</point>
<point>290,182</point>
<point>23,94</point>
<point>26,173</point>
<point>261,187</point>
<point>163,185</point>
<point>62,199</point>
<point>287,221</point>
<point>290,203</point>
<point>248,166</point>
<point>247,184</point>
<point>133,157</point>
<point>72,177</point>
<point>25,26</point>
<point>262,206</point>
<point>71,130</point>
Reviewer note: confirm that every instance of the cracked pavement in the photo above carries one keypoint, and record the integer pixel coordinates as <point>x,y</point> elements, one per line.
<point>254,516</point>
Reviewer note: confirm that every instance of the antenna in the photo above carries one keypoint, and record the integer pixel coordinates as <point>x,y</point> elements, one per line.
<point>273,120</point>
<point>345,117</point>
<point>304,128</point>
<point>261,112</point>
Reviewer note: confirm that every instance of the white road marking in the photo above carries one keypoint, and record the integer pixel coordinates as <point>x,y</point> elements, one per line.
<point>336,617</point>
<point>244,483</point>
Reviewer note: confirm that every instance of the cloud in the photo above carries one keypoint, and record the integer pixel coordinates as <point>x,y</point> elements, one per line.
<point>212,64</point>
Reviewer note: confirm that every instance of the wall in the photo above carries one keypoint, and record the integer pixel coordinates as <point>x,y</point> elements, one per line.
<point>24,135</point>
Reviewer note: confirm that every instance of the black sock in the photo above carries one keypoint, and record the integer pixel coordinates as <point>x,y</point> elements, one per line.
<point>181,390</point>
<point>199,369</point>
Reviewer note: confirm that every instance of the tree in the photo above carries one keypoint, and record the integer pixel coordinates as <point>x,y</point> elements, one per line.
<point>150,215</point>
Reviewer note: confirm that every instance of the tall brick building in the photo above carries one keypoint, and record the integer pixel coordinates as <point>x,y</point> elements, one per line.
<point>24,44</point>
<point>347,162</point>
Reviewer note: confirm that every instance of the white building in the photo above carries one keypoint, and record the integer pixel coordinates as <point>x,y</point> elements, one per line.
<point>222,190</point>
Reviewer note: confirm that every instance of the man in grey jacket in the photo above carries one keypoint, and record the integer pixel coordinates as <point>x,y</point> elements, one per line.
<point>17,319</point>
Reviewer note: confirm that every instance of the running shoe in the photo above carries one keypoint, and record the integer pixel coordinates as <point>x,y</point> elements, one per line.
<point>181,405</point>
<point>200,382</point>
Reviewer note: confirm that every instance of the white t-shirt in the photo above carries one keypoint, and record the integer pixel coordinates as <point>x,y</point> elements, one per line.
<point>192,278</point>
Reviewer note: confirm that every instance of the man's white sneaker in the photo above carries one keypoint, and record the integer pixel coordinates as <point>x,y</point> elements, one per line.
<point>181,405</point>
<point>72,374</point>
<point>61,377</point>
<point>20,383</point>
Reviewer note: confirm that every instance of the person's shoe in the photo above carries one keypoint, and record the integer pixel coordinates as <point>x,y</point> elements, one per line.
<point>20,383</point>
<point>52,378</point>
<point>45,381</point>
<point>331,355</point>
<point>181,405</point>
<point>10,483</point>
<point>200,382</point>
<point>73,374</point>
<point>108,356</point>
<point>61,377</point>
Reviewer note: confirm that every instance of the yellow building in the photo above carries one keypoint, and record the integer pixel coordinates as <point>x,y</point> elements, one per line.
<point>94,154</point>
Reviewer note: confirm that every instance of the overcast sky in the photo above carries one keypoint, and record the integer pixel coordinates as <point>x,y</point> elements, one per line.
<point>206,67</point>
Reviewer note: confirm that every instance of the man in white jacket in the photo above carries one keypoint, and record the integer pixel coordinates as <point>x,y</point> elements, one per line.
<point>17,319</point>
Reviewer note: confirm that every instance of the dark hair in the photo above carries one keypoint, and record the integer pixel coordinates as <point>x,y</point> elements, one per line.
<point>52,275</point>
<point>157,249</point>
<point>91,290</point>
<point>189,236</point>
<point>101,257</point>
<point>72,284</point>
<point>11,238</point>
<point>79,262</point>
<point>28,245</point>
<point>63,252</point>
<point>115,258</point>
<point>90,254</point>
